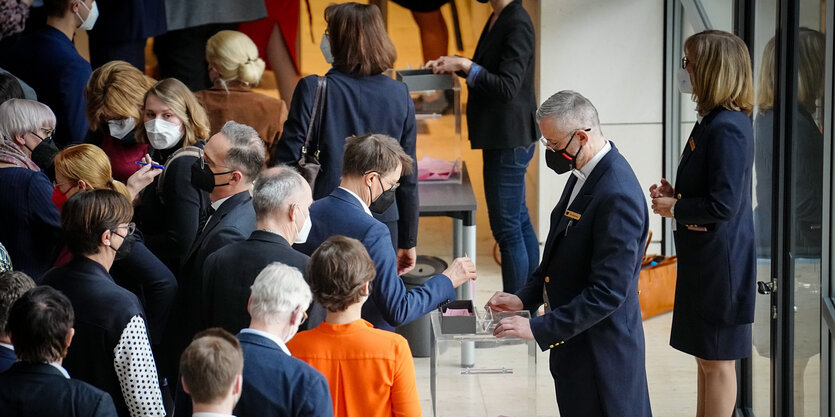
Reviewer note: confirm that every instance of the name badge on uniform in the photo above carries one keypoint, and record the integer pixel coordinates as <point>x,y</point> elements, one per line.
<point>572,215</point>
<point>692,145</point>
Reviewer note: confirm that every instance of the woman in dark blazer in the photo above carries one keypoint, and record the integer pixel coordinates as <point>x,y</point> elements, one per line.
<point>501,121</point>
<point>713,218</point>
<point>30,224</point>
<point>360,99</point>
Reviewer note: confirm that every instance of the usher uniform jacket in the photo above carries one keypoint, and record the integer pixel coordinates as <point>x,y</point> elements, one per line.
<point>589,273</point>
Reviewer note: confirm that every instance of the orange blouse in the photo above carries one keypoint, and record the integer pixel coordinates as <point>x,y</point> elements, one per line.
<point>370,371</point>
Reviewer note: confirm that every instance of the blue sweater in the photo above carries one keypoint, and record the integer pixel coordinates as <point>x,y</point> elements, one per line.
<point>30,227</point>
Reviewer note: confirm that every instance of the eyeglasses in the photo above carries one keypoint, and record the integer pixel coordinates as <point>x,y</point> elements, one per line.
<point>49,133</point>
<point>393,187</point>
<point>684,62</point>
<point>304,318</point>
<point>204,163</point>
<point>551,148</point>
<point>131,228</point>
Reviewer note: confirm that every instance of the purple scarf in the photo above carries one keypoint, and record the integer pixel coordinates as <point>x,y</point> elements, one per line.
<point>10,153</point>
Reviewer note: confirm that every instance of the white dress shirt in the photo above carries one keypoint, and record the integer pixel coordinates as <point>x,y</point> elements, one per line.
<point>270,336</point>
<point>362,203</point>
<point>586,170</point>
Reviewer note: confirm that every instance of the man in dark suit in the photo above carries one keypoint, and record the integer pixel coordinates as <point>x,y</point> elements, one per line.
<point>40,323</point>
<point>231,160</point>
<point>282,200</point>
<point>500,118</point>
<point>274,382</point>
<point>12,285</point>
<point>589,270</point>
<point>47,60</point>
<point>370,170</point>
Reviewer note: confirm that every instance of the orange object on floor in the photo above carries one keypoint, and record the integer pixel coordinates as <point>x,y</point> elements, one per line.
<point>657,286</point>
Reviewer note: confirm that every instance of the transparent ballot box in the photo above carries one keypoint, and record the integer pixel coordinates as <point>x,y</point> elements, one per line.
<point>437,100</point>
<point>477,374</point>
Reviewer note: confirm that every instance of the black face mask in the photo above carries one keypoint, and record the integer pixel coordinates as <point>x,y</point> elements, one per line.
<point>203,178</point>
<point>383,201</point>
<point>560,160</point>
<point>124,250</point>
<point>44,153</point>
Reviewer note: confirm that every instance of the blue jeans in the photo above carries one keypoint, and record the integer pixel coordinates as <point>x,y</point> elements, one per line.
<point>504,190</point>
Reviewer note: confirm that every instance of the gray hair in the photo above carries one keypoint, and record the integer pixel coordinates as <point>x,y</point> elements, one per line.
<point>278,291</point>
<point>21,116</point>
<point>570,110</point>
<point>275,189</point>
<point>247,152</point>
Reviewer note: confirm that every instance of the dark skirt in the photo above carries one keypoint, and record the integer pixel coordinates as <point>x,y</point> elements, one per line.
<point>694,335</point>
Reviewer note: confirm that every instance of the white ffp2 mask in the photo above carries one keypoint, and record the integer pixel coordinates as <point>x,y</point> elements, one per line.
<point>162,134</point>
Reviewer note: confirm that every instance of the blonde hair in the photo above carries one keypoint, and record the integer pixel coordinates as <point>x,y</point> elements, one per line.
<point>116,89</point>
<point>90,164</point>
<point>765,86</point>
<point>810,71</point>
<point>721,73</point>
<point>235,57</point>
<point>184,105</point>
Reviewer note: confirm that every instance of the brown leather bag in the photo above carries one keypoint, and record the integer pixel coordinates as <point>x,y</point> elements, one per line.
<point>656,284</point>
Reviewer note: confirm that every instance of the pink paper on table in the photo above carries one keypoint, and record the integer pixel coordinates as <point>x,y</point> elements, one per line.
<point>433,169</point>
<point>457,312</point>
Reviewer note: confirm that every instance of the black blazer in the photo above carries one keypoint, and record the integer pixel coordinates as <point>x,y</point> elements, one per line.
<point>501,112</point>
<point>102,312</point>
<point>589,272</point>
<point>230,271</point>
<point>356,106</point>
<point>143,274</point>
<point>170,228</point>
<point>233,221</point>
<point>38,389</point>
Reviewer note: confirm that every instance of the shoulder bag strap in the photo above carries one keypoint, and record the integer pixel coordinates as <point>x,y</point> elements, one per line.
<point>315,119</point>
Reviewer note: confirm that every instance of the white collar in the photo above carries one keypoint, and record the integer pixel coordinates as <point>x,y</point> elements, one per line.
<point>207,414</point>
<point>699,118</point>
<point>362,203</point>
<point>60,368</point>
<point>7,346</point>
<point>216,205</point>
<point>268,336</point>
<point>586,170</point>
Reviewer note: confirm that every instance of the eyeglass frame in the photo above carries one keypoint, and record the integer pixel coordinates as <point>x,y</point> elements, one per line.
<point>379,174</point>
<point>547,145</point>
<point>49,137</point>
<point>204,163</point>
<point>131,228</point>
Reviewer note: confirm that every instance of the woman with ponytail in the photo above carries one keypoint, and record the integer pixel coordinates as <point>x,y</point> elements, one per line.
<point>234,68</point>
<point>86,167</point>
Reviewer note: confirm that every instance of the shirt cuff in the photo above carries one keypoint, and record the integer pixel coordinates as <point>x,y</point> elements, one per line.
<point>474,70</point>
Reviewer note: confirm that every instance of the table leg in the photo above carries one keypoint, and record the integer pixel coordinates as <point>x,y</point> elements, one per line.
<point>463,243</point>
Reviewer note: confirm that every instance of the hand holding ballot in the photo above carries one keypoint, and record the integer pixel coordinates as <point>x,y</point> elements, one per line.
<point>502,301</point>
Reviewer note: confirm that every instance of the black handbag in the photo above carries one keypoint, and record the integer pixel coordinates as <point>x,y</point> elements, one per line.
<point>308,165</point>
